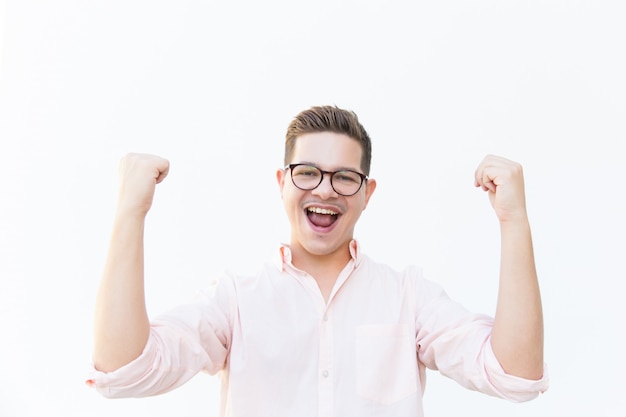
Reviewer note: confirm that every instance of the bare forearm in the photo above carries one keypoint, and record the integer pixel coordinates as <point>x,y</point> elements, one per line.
<point>517,337</point>
<point>121,321</point>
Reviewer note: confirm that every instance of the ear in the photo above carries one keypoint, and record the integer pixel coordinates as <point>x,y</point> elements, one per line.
<point>280,178</point>
<point>370,186</point>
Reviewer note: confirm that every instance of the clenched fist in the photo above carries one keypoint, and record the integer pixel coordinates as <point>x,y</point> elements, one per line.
<point>138,176</point>
<point>503,179</point>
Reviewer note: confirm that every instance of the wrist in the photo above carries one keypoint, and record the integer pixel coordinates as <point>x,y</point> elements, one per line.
<point>130,213</point>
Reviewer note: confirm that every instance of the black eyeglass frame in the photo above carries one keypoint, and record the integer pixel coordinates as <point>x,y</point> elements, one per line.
<point>290,167</point>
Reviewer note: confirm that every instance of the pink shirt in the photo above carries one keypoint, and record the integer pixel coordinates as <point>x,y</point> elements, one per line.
<point>282,351</point>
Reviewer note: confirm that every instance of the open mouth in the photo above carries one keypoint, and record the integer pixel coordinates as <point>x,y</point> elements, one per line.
<point>321,217</point>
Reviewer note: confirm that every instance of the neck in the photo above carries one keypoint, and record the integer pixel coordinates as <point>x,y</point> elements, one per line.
<point>322,267</point>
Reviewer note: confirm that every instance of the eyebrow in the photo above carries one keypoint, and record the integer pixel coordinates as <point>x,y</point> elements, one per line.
<point>345,168</point>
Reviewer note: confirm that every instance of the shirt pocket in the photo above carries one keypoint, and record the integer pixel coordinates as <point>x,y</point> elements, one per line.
<point>386,362</point>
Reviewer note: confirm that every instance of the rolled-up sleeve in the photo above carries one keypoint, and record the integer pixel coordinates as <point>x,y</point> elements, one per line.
<point>189,339</point>
<point>511,387</point>
<point>457,343</point>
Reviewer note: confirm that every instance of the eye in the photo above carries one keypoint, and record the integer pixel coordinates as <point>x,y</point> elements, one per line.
<point>306,171</point>
<point>347,177</point>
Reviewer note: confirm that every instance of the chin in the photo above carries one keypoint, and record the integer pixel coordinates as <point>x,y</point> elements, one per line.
<point>321,248</point>
<point>320,251</point>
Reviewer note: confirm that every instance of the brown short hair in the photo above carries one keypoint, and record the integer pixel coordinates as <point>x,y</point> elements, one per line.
<point>329,119</point>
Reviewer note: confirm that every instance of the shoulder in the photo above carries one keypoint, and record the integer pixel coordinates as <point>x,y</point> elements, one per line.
<point>380,270</point>
<point>248,280</point>
<point>410,278</point>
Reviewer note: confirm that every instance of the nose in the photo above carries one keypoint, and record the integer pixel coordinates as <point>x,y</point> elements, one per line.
<point>325,190</point>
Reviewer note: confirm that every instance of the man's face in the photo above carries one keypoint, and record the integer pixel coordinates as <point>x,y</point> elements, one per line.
<point>322,221</point>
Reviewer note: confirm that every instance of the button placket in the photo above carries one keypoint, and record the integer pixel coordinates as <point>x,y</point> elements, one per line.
<point>325,382</point>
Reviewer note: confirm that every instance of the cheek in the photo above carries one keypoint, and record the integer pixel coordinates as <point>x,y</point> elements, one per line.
<point>358,205</point>
<point>290,199</point>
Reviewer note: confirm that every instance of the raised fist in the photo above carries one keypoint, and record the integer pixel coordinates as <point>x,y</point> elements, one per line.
<point>138,176</point>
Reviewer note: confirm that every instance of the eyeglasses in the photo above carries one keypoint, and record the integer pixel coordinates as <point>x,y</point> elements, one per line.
<point>309,177</point>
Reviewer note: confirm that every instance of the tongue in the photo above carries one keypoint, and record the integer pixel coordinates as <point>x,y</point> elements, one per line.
<point>322,220</point>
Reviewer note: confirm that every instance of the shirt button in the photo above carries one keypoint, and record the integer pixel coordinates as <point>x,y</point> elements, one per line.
<point>325,374</point>
<point>325,317</point>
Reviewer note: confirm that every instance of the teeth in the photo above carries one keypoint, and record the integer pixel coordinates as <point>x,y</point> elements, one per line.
<point>321,211</point>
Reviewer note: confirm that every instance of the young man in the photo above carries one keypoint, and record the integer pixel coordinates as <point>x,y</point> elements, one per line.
<point>324,330</point>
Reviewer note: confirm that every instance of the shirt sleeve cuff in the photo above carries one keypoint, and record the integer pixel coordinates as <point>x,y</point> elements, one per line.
<point>123,381</point>
<point>511,387</point>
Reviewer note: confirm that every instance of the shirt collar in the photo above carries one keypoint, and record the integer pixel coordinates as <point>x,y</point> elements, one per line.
<point>284,255</point>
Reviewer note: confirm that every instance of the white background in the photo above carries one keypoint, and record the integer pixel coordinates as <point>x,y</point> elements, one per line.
<point>212,86</point>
